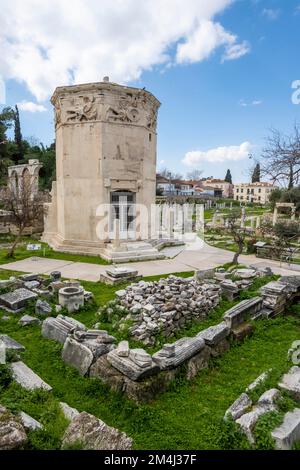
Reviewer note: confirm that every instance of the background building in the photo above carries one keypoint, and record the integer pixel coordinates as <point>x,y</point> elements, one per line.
<point>258,193</point>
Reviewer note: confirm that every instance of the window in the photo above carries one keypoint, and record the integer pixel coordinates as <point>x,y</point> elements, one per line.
<point>259,190</point>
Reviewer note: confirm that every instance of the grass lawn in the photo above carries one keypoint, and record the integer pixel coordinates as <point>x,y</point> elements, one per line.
<point>188,416</point>
<point>47,252</point>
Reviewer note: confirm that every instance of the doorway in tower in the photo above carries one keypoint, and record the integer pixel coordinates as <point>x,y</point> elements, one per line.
<point>122,207</point>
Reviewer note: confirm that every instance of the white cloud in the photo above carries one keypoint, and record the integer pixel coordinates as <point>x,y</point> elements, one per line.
<point>245,104</point>
<point>217,155</point>
<point>271,14</point>
<point>31,107</point>
<point>46,44</point>
<point>235,51</point>
<point>203,41</point>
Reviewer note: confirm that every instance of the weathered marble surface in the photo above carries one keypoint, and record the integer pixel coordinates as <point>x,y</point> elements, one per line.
<point>136,366</point>
<point>60,327</point>
<point>11,344</point>
<point>27,378</point>
<point>242,311</point>
<point>94,434</point>
<point>288,433</point>
<point>239,407</point>
<point>171,356</point>
<point>17,299</point>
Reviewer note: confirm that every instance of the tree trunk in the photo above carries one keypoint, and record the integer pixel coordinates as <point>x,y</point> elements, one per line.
<point>11,252</point>
<point>237,254</point>
<point>291,178</point>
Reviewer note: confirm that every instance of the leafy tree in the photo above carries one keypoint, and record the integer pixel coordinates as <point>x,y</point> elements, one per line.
<point>256,174</point>
<point>275,196</point>
<point>293,196</point>
<point>228,177</point>
<point>6,121</point>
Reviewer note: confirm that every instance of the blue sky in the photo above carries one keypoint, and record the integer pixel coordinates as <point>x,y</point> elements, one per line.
<point>218,100</point>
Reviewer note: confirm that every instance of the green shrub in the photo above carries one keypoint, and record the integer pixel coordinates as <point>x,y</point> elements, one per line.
<point>5,376</point>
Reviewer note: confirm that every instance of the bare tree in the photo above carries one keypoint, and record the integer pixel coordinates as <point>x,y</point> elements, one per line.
<point>281,157</point>
<point>238,234</point>
<point>194,175</point>
<point>170,175</point>
<point>25,205</point>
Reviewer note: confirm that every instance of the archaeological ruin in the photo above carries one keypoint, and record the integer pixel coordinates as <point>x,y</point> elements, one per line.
<point>105,170</point>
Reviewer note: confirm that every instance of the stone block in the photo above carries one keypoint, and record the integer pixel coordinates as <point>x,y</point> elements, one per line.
<point>242,312</point>
<point>12,432</point>
<point>94,434</point>
<point>60,327</point>
<point>198,362</point>
<point>69,412</point>
<point>28,379</point>
<point>184,349</point>
<point>131,366</point>
<point>29,423</point>
<point>77,355</point>
<point>239,407</point>
<point>28,320</point>
<point>290,382</point>
<point>214,334</point>
<point>11,344</point>
<point>288,433</point>
<point>15,301</point>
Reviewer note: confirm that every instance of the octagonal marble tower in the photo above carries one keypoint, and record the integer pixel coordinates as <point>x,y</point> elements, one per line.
<point>105,155</point>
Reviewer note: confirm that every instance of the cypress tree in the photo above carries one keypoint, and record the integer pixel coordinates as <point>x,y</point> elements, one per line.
<point>228,177</point>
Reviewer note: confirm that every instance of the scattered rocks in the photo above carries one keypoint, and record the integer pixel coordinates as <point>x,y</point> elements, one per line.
<point>27,320</point>
<point>94,434</point>
<point>167,305</point>
<point>27,378</point>
<point>239,407</point>
<point>11,344</point>
<point>12,432</point>
<point>259,380</point>
<point>42,307</point>
<point>29,423</point>
<point>69,412</point>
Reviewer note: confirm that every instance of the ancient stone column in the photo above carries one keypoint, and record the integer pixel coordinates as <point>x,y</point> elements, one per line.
<point>275,214</point>
<point>116,241</point>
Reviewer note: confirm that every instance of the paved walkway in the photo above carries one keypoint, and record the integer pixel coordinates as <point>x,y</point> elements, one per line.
<point>199,256</point>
